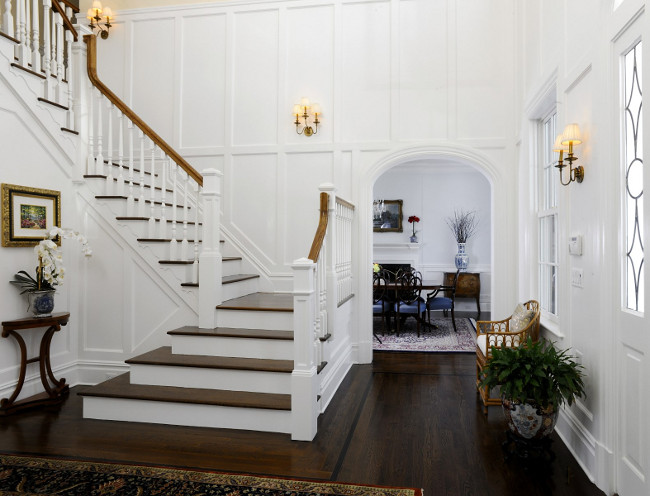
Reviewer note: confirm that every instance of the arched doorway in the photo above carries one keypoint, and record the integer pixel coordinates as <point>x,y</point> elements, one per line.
<point>502,287</point>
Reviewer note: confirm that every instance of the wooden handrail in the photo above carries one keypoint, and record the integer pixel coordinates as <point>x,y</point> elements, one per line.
<point>345,203</point>
<point>91,41</point>
<point>66,22</point>
<point>74,8</point>
<point>317,244</point>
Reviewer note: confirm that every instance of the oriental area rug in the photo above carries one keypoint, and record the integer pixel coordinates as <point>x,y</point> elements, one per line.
<point>441,337</point>
<point>21,475</point>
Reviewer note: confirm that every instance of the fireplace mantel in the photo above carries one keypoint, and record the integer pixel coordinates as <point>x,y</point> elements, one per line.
<point>397,253</point>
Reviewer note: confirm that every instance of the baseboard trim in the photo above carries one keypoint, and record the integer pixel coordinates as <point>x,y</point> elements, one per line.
<point>579,441</point>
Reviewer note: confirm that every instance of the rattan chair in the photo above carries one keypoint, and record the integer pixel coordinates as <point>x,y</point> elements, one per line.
<point>512,331</point>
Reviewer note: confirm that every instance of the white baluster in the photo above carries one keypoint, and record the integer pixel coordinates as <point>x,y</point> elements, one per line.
<point>120,153</point>
<point>109,149</point>
<point>141,204</point>
<point>162,227</point>
<point>69,39</point>
<point>152,196</point>
<point>173,244</point>
<point>55,16</point>
<point>184,242</point>
<point>20,32</point>
<point>129,200</point>
<point>27,42</point>
<point>195,266</point>
<point>91,166</point>
<point>7,19</point>
<point>60,93</point>
<point>100,135</point>
<point>47,48</point>
<point>36,41</point>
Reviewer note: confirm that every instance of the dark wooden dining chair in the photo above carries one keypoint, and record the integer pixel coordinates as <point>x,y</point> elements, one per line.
<point>444,301</point>
<point>407,298</point>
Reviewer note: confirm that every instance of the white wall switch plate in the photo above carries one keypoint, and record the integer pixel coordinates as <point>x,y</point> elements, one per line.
<point>576,277</point>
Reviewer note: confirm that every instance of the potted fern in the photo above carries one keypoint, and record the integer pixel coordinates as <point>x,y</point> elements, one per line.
<point>535,379</point>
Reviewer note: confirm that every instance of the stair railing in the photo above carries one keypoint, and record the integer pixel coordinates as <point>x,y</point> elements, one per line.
<point>158,184</point>
<point>47,53</point>
<point>322,284</point>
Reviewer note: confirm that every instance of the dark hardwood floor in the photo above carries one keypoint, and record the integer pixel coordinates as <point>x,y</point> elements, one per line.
<point>409,419</point>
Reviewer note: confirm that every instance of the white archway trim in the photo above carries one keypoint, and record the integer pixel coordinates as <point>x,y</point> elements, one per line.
<point>503,222</point>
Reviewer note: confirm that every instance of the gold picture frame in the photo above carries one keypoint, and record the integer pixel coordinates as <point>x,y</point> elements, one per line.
<point>391,217</point>
<point>28,214</point>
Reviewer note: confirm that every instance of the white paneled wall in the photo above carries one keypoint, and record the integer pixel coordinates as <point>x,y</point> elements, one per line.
<point>223,77</point>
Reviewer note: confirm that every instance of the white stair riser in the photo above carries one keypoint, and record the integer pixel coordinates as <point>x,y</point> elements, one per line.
<point>118,207</point>
<point>275,349</point>
<point>240,288</point>
<point>140,229</point>
<point>187,414</point>
<point>162,250</point>
<point>194,377</point>
<point>242,319</point>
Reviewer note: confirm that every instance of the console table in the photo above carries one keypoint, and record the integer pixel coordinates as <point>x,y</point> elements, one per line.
<point>468,286</point>
<point>55,389</point>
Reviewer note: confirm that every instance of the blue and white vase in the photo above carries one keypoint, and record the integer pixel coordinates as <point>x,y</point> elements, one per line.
<point>462,258</point>
<point>41,303</point>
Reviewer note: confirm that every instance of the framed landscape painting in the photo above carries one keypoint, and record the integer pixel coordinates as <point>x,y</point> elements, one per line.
<point>28,214</point>
<point>390,219</point>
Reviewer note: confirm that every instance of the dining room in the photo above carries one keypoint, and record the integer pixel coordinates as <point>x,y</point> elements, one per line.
<point>416,210</point>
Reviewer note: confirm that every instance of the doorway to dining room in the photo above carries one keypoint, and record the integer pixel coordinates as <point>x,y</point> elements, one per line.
<point>432,185</point>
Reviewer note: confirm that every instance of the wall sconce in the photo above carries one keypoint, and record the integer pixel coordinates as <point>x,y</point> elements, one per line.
<point>305,110</point>
<point>565,142</point>
<point>96,14</point>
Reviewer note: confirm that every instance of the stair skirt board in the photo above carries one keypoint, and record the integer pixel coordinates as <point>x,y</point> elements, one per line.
<point>241,288</point>
<point>274,349</point>
<point>187,414</point>
<point>275,321</point>
<point>197,377</point>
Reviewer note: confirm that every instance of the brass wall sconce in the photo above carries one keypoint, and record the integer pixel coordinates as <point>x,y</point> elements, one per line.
<point>96,14</point>
<point>565,143</point>
<point>305,110</point>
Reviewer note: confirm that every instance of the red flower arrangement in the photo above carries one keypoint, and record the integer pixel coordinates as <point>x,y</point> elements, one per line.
<point>413,219</point>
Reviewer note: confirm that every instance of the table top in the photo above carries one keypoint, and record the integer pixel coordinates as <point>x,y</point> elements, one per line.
<point>60,318</point>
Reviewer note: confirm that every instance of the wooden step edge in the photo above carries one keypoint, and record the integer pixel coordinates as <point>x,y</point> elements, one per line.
<point>29,71</point>
<point>176,262</point>
<point>238,278</point>
<point>115,164</point>
<point>54,104</point>
<point>228,332</point>
<point>162,240</point>
<point>126,181</point>
<point>169,221</point>
<point>320,367</point>
<point>327,337</point>
<point>190,284</point>
<point>164,357</point>
<point>10,38</point>
<point>71,131</point>
<point>120,197</point>
<point>120,388</point>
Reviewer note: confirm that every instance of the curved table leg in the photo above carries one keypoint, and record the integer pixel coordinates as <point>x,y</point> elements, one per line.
<point>7,402</point>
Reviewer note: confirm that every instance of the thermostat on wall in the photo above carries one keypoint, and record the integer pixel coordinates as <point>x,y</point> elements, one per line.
<point>575,245</point>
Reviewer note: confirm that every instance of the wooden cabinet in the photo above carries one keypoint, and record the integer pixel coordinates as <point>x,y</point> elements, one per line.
<point>468,286</point>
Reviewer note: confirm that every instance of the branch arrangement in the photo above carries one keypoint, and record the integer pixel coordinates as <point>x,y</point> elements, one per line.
<point>463,224</point>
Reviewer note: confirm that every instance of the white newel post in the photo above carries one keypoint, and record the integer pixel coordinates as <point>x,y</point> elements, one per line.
<point>330,255</point>
<point>210,259</point>
<point>81,104</point>
<point>304,379</point>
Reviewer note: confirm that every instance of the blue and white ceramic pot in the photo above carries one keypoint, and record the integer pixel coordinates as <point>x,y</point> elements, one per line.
<point>528,420</point>
<point>41,302</point>
<point>462,258</point>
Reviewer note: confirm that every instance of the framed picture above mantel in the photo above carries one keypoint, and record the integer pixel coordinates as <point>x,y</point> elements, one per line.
<point>389,219</point>
<point>28,214</point>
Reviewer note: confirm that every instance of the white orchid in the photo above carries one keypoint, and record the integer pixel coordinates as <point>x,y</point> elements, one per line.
<point>50,271</point>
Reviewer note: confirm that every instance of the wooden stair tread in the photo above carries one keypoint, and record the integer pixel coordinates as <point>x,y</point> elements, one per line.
<point>120,387</point>
<point>120,197</point>
<point>126,181</point>
<point>164,356</point>
<point>162,240</point>
<point>54,104</point>
<point>158,220</point>
<point>232,332</point>
<point>224,280</point>
<point>274,302</point>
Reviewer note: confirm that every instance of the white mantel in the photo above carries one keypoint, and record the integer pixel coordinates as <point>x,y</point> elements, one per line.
<point>397,253</point>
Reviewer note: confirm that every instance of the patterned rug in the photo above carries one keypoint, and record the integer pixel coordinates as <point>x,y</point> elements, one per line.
<point>440,338</point>
<point>47,476</point>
